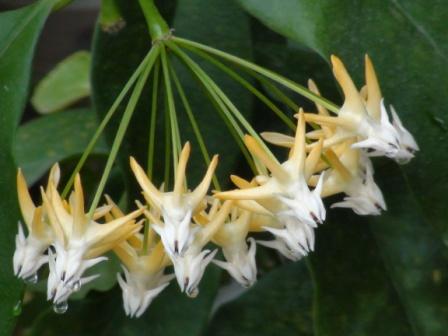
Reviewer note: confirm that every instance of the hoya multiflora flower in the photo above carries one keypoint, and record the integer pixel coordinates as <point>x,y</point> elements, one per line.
<point>29,255</point>
<point>178,206</point>
<point>80,241</point>
<point>364,116</point>
<point>238,249</point>
<point>285,192</point>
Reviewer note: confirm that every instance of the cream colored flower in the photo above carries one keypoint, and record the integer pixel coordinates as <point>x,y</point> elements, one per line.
<point>29,255</point>
<point>80,241</point>
<point>177,207</point>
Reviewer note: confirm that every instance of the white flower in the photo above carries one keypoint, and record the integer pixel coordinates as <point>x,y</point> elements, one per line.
<point>408,145</point>
<point>140,288</point>
<point>80,241</point>
<point>239,251</point>
<point>240,262</point>
<point>59,286</point>
<point>29,255</point>
<point>352,173</point>
<point>364,196</point>
<point>297,236</point>
<point>382,138</point>
<point>286,189</point>
<point>358,118</point>
<point>281,246</point>
<point>177,207</point>
<point>190,266</point>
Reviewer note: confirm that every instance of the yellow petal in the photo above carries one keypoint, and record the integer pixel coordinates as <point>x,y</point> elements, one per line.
<point>201,190</point>
<point>38,227</point>
<point>374,95</point>
<point>27,206</point>
<point>269,161</point>
<point>60,209</point>
<point>150,190</point>
<point>338,165</point>
<point>278,139</point>
<point>126,254</point>
<point>116,211</point>
<point>79,216</point>
<point>256,193</point>
<point>313,159</point>
<point>99,232</point>
<point>101,212</point>
<point>298,152</point>
<point>353,101</point>
<point>54,222</point>
<point>54,176</point>
<point>313,88</point>
<point>179,180</point>
<point>206,234</point>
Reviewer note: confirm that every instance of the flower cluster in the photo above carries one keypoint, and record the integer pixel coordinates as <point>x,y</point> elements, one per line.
<point>284,199</point>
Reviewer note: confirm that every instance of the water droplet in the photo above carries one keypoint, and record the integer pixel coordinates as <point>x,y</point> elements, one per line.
<point>32,279</point>
<point>76,286</point>
<point>193,293</point>
<point>60,307</point>
<point>17,310</point>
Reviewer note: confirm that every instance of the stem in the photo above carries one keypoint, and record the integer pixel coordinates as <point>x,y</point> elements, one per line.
<point>133,100</point>
<point>105,121</point>
<point>167,149</point>
<point>194,125</point>
<point>232,125</point>
<point>232,108</point>
<point>110,16</point>
<point>158,28</point>
<point>175,133</point>
<point>270,74</point>
<point>152,125</point>
<point>263,98</point>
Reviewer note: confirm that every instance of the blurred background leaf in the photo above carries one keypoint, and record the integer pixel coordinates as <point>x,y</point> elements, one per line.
<point>19,31</point>
<point>65,85</point>
<point>54,138</point>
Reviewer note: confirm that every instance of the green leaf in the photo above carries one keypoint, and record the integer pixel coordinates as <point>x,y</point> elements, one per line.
<point>19,31</point>
<point>355,290</point>
<point>53,138</point>
<point>416,258</point>
<point>102,314</point>
<point>280,303</point>
<point>63,86</point>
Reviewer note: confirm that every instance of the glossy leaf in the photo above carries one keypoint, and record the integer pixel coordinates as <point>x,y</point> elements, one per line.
<point>49,139</point>
<point>66,84</point>
<point>280,303</point>
<point>406,48</point>
<point>19,31</point>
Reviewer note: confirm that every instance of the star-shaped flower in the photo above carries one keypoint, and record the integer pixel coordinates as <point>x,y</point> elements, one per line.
<point>80,241</point>
<point>29,255</point>
<point>354,120</point>
<point>177,207</point>
<point>286,191</point>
